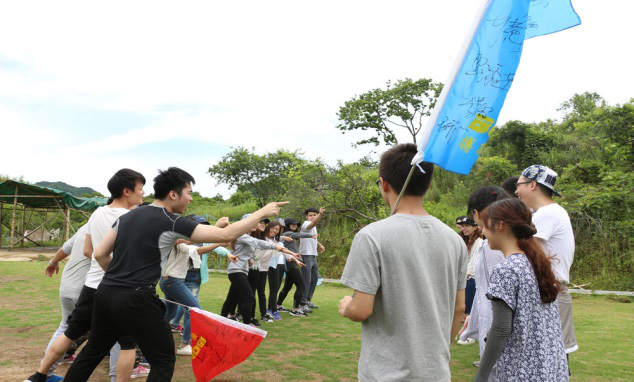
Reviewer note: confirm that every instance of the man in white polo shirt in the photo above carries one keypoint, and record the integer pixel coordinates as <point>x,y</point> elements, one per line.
<point>554,231</point>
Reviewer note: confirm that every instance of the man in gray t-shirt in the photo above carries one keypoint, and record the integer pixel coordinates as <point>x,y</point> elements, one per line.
<point>408,273</point>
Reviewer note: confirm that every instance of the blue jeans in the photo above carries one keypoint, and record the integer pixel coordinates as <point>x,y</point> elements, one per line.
<point>193,282</point>
<point>176,290</point>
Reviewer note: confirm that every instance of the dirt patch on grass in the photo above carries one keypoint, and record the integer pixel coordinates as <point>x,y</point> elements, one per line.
<point>12,279</point>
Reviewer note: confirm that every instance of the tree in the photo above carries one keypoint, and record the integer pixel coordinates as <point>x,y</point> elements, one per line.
<point>256,174</point>
<point>401,105</point>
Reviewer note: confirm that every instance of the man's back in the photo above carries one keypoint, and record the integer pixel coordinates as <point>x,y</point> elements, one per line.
<point>414,266</point>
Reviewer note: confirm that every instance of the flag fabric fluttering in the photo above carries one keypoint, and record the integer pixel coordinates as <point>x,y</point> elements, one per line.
<point>218,343</point>
<point>483,73</point>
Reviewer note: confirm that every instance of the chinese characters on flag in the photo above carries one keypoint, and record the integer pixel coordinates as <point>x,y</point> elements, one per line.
<point>218,343</point>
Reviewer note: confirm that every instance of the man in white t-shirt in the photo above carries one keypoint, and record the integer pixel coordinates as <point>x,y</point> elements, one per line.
<point>536,188</point>
<point>309,250</point>
<point>126,189</point>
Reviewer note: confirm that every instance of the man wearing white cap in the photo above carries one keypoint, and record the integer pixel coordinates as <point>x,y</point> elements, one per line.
<point>554,231</point>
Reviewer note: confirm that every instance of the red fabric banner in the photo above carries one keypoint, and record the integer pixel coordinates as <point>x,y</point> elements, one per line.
<point>218,343</point>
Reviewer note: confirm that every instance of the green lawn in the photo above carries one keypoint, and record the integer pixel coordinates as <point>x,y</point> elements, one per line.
<point>321,347</point>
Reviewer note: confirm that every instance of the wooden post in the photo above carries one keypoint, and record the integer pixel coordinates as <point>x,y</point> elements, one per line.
<point>15,206</point>
<point>22,229</point>
<point>67,231</point>
<point>1,209</point>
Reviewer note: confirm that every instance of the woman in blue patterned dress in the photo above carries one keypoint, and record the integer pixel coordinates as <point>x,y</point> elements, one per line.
<point>525,341</point>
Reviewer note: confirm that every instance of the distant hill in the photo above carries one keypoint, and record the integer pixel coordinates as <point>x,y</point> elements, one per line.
<point>77,191</point>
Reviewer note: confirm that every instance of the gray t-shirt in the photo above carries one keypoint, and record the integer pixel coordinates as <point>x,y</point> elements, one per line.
<point>414,265</point>
<point>74,274</point>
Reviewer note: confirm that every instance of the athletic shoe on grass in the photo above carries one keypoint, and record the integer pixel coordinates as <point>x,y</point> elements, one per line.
<point>311,305</point>
<point>306,309</point>
<point>282,309</point>
<point>276,316</point>
<point>140,372</point>
<point>297,313</point>
<point>184,350</point>
<point>267,318</point>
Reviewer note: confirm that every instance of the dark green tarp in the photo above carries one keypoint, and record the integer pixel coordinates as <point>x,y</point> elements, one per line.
<point>44,197</point>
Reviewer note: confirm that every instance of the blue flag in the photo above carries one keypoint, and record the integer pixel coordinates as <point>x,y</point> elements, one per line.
<point>472,99</point>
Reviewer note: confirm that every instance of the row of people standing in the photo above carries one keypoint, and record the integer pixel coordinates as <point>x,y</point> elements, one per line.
<point>267,254</point>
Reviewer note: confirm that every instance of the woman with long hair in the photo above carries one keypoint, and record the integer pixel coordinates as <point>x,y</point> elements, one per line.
<point>525,341</point>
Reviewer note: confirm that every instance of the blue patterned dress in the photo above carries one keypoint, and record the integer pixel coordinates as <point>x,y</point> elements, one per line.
<point>535,349</point>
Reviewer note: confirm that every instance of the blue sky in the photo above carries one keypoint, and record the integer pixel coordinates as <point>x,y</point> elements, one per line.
<point>86,89</point>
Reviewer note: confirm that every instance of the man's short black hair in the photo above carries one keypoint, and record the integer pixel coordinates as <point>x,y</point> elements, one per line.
<point>311,209</point>
<point>545,190</point>
<point>122,179</point>
<point>172,179</point>
<point>510,185</point>
<point>395,165</point>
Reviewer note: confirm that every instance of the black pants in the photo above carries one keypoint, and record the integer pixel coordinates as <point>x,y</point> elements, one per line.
<point>80,320</point>
<point>240,292</point>
<point>293,277</point>
<point>121,312</point>
<point>262,292</point>
<point>274,287</point>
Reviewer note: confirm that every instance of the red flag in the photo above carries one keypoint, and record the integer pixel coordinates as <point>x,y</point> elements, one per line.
<point>218,343</point>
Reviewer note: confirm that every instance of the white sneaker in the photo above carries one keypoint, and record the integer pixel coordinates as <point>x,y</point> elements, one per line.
<point>140,372</point>
<point>468,341</point>
<point>187,350</point>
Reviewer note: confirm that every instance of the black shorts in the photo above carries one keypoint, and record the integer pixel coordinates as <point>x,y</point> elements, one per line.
<point>80,321</point>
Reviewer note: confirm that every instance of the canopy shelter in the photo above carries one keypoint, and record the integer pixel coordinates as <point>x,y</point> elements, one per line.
<point>30,198</point>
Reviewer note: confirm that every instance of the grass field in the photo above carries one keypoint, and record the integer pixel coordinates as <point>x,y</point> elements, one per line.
<point>321,347</point>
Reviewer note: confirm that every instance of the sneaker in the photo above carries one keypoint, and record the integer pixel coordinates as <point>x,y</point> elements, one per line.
<point>68,359</point>
<point>37,377</point>
<point>276,316</point>
<point>267,318</point>
<point>297,313</point>
<point>468,341</point>
<point>176,328</point>
<point>184,350</point>
<point>140,372</point>
<point>239,317</point>
<point>54,378</point>
<point>311,305</point>
<point>282,309</point>
<point>306,309</point>
<point>255,323</point>
<point>233,318</point>
<point>476,363</point>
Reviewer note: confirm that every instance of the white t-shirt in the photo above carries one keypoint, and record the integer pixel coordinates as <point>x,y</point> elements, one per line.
<point>553,226</point>
<point>474,253</point>
<point>308,246</point>
<point>98,226</point>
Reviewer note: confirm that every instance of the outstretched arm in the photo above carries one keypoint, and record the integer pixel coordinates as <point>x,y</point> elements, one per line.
<point>211,234</point>
<point>316,219</point>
